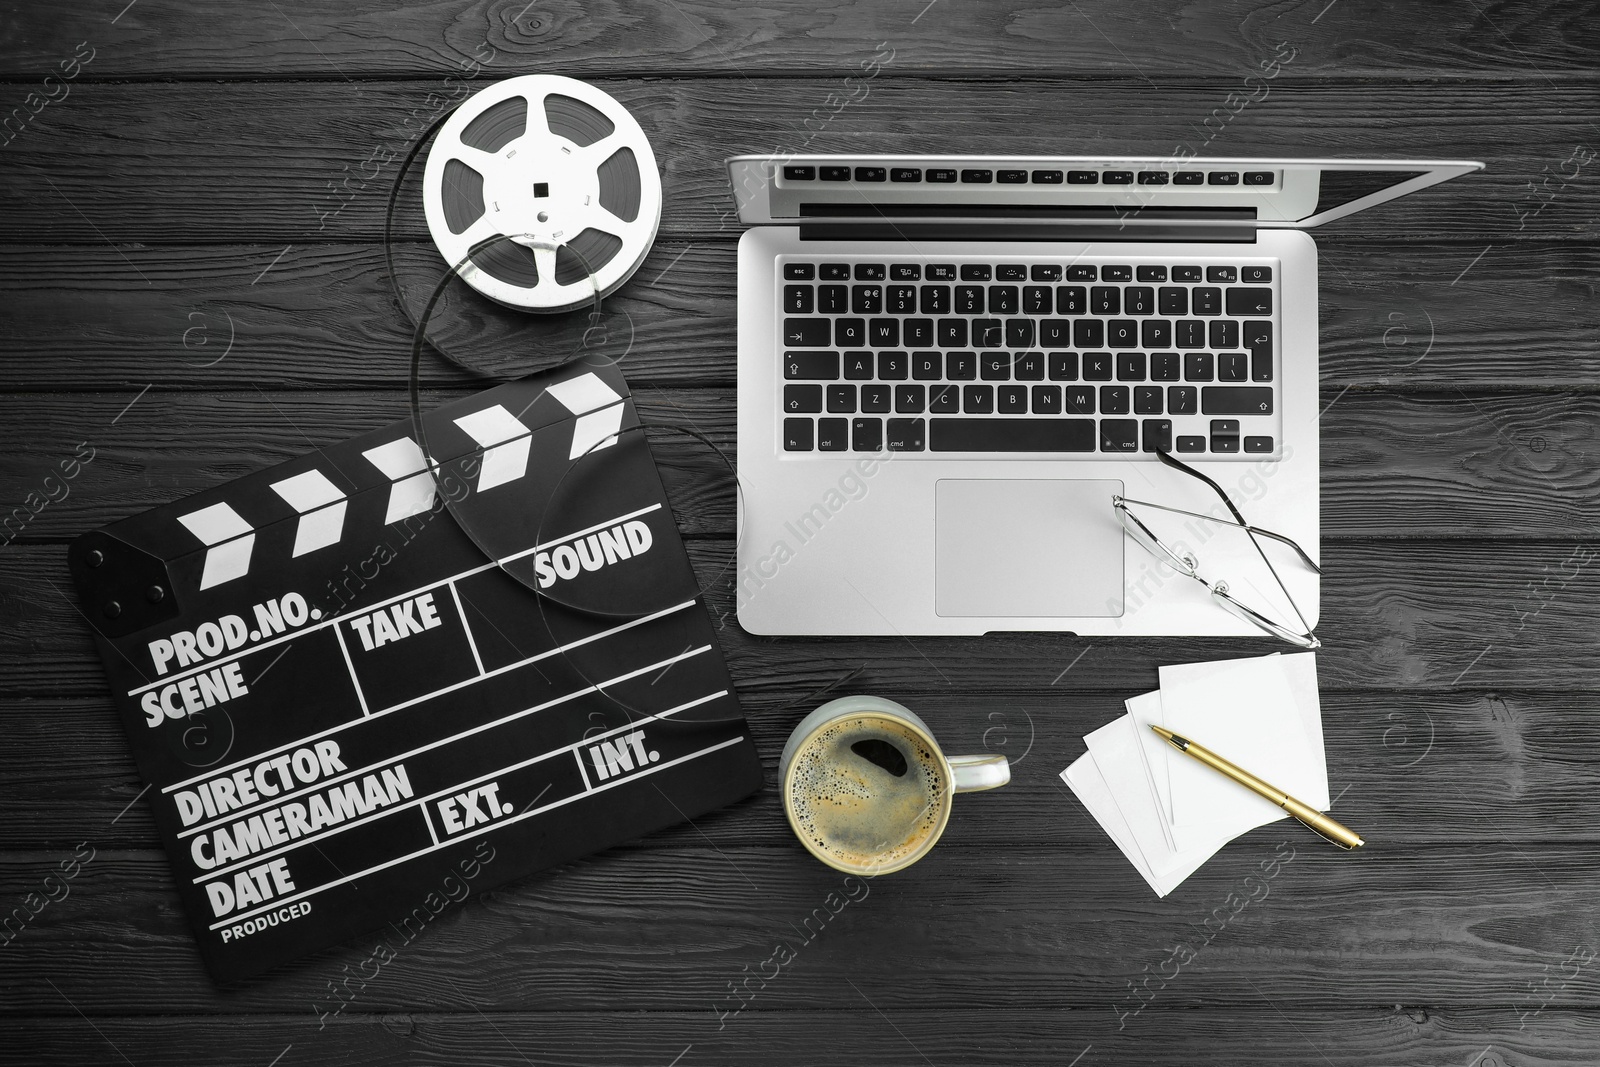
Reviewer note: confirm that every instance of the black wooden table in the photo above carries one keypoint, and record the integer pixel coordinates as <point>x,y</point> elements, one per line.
<point>190,220</point>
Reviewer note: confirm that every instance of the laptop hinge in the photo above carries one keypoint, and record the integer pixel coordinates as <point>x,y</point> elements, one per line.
<point>1021,231</point>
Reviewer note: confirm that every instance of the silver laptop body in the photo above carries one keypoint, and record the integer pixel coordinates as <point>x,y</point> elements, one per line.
<point>949,365</point>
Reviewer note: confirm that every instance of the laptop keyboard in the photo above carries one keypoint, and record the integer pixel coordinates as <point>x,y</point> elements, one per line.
<point>1110,357</point>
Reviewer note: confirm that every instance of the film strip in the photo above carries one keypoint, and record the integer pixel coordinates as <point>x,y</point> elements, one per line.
<point>339,699</point>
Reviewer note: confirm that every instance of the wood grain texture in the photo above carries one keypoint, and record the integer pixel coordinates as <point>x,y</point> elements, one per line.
<point>1467,766</point>
<point>315,161</point>
<point>1248,1035</point>
<point>706,39</point>
<point>668,929</point>
<point>323,316</point>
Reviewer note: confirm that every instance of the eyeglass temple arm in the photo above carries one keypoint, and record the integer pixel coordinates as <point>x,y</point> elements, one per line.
<point>1186,469</point>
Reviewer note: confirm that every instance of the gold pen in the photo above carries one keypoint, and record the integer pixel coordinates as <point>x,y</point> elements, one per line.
<point>1336,832</point>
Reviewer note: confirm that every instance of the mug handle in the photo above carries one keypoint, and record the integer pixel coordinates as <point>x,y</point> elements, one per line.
<point>972,773</point>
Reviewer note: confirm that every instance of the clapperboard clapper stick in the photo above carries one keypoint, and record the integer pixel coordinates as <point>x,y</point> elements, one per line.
<point>341,700</point>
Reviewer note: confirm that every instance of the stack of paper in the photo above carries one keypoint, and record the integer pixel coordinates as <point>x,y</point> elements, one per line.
<point>1168,812</point>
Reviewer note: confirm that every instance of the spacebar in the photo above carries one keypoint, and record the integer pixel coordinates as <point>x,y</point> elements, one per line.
<point>1012,435</point>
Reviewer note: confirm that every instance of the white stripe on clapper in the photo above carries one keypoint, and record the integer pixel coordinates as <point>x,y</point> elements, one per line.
<point>321,506</point>
<point>228,540</point>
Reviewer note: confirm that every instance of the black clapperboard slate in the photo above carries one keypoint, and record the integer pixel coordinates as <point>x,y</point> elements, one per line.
<point>338,695</point>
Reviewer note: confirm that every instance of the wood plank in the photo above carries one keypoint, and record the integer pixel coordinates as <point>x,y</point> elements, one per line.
<point>1426,464</point>
<point>1407,615</point>
<point>1039,927</point>
<point>1215,38</point>
<point>1244,1035</point>
<point>283,163</point>
<point>324,316</point>
<point>1409,769</point>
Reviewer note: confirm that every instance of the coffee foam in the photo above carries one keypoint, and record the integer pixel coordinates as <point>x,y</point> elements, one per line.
<point>857,813</point>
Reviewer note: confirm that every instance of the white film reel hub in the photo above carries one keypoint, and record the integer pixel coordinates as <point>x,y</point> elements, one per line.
<point>558,167</point>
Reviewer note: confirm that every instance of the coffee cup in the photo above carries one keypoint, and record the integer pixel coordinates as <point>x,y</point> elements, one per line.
<point>868,790</point>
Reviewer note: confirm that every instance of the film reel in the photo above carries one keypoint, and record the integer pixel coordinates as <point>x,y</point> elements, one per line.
<point>559,169</point>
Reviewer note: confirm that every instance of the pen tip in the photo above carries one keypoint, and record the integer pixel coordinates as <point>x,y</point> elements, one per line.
<point>1161,730</point>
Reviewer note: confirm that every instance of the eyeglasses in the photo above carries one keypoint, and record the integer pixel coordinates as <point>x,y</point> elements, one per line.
<point>1186,563</point>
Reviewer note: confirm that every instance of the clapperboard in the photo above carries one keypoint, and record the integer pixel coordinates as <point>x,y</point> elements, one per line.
<point>343,675</point>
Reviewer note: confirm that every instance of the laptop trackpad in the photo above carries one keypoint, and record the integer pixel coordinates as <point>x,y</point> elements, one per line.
<point>1045,548</point>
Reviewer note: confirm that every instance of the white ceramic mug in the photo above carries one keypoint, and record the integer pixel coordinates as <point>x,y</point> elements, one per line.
<point>858,808</point>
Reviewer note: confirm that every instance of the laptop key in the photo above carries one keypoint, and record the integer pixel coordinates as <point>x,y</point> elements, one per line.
<point>1224,333</point>
<point>1047,400</point>
<point>1130,366</point>
<point>1149,273</point>
<point>1258,339</point>
<point>1146,399</point>
<point>1224,435</point>
<point>952,333</point>
<point>1181,399</point>
<point>977,399</point>
<point>1172,300</point>
<point>849,332</point>
<point>905,272</point>
<point>995,366</point>
<point>1188,443</point>
<point>1119,435</point>
<point>891,366</point>
<point>884,332</point>
<point>1249,300</point>
<point>1224,275</point>
<point>907,435</point>
<point>1198,367</point>
<point>1236,400</point>
<point>988,332</point>
<point>799,299</point>
<point>944,399</point>
<point>842,399</point>
<point>1114,399</point>
<point>1072,300</point>
<point>835,272</point>
<point>1088,333</point>
<point>812,366</point>
<point>866,435</point>
<point>797,435</point>
<point>1191,333</point>
<point>910,399</point>
<point>1080,399</point>
<point>1029,367</point>
<point>1120,333</point>
<point>833,299</point>
<point>1156,333</point>
<point>1019,333</point>
<point>1232,367</point>
<point>858,365</point>
<point>1045,272</point>
<point>1013,399</point>
<point>833,435</point>
<point>902,299</point>
<point>941,272</point>
<point>905,174</point>
<point>1003,299</point>
<point>808,333</point>
<point>1187,274</point>
<point>1207,300</point>
<point>976,272</point>
<point>1081,272</point>
<point>935,298</point>
<point>1036,299</point>
<point>1255,274</point>
<point>1105,299</point>
<point>874,399</point>
<point>1258,444</point>
<point>866,300</point>
<point>1097,366</point>
<point>804,272</point>
<point>961,366</point>
<point>1157,435</point>
<point>1011,272</point>
<point>919,331</point>
<point>927,366</point>
<point>1164,367</point>
<point>1139,299</point>
<point>802,399</point>
<point>969,299</point>
<point>1055,333</point>
<point>1012,435</point>
<point>1116,273</point>
<point>871,272</point>
<point>1063,366</point>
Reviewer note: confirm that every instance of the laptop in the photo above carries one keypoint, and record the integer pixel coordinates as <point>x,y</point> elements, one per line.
<point>951,367</point>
